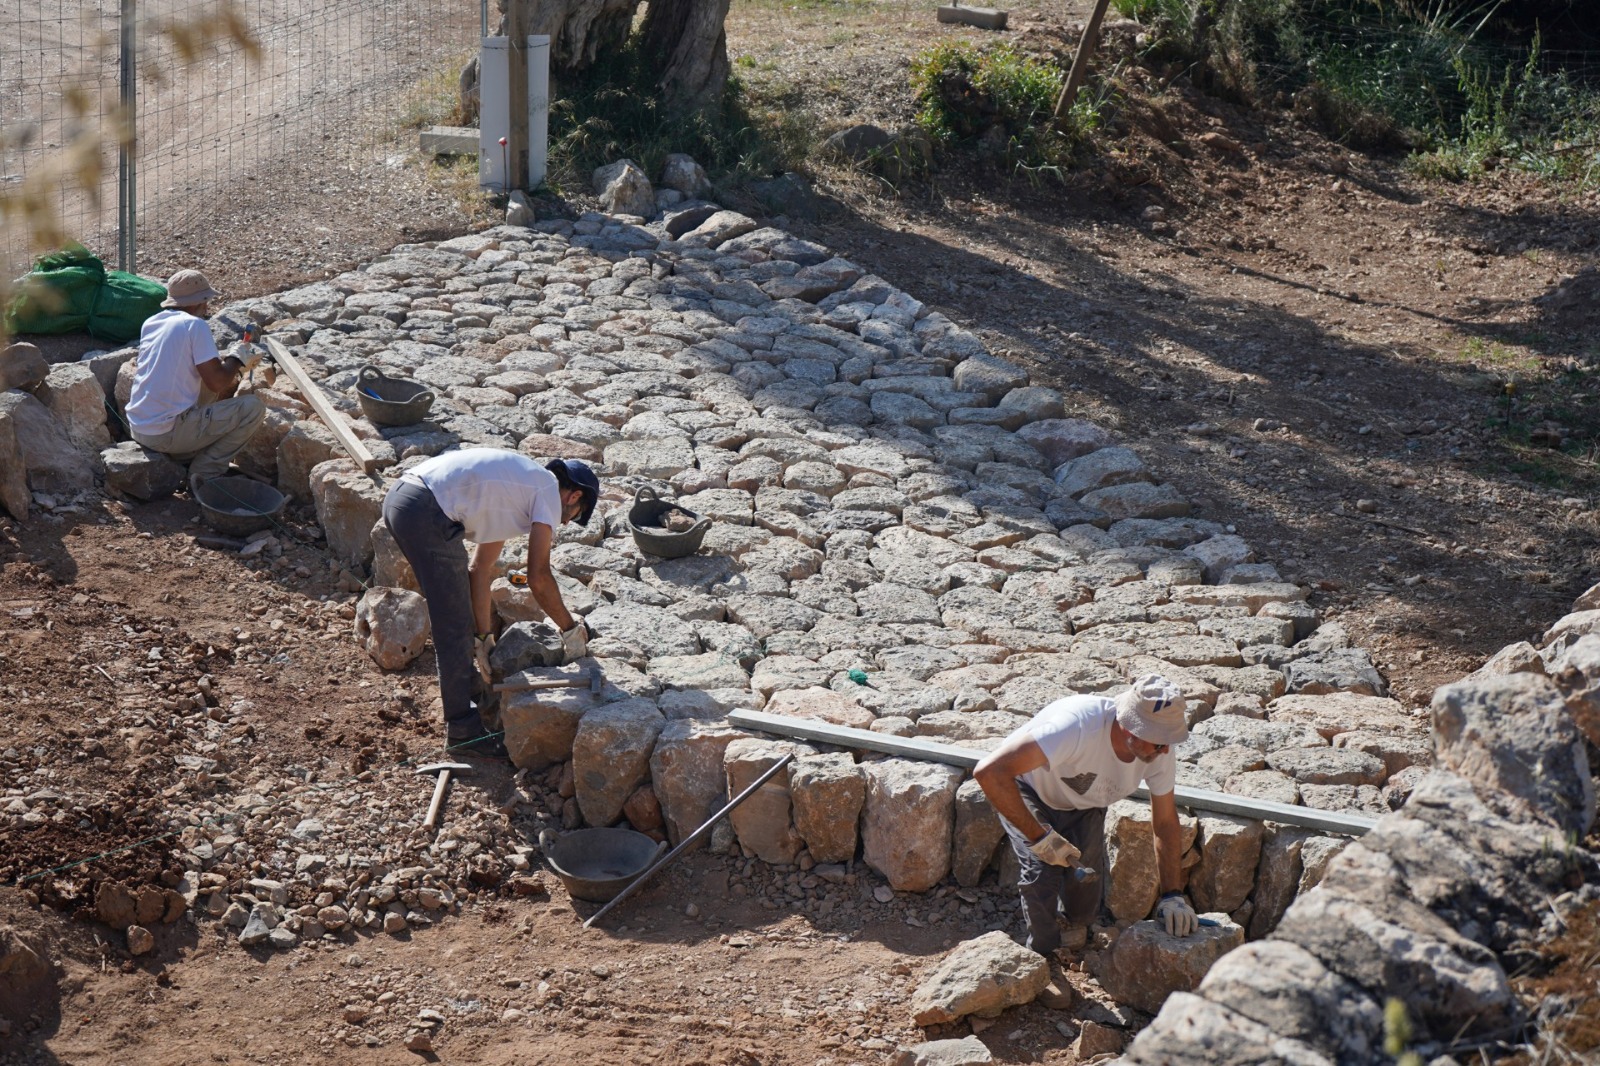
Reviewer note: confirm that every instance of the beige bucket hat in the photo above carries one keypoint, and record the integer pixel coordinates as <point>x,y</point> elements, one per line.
<point>1152,710</point>
<point>187,288</point>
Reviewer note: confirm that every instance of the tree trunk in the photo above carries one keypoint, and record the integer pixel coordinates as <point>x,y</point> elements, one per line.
<point>688,46</point>
<point>579,30</point>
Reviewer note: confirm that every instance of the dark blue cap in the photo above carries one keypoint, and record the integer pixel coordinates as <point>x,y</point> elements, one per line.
<point>575,474</point>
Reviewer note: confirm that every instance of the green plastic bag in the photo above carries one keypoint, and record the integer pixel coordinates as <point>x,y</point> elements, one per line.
<point>59,294</point>
<point>123,303</point>
<point>71,291</point>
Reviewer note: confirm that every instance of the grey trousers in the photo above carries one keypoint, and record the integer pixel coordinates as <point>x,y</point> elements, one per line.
<point>1074,892</point>
<point>207,435</point>
<point>433,544</point>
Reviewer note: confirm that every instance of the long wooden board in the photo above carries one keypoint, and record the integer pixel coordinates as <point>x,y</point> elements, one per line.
<point>1344,823</point>
<point>319,403</point>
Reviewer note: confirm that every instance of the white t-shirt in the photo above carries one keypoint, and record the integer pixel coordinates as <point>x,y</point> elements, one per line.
<point>494,493</point>
<point>1083,772</point>
<point>165,381</point>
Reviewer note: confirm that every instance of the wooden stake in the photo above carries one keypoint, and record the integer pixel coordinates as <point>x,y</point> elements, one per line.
<point>319,403</point>
<point>1080,62</point>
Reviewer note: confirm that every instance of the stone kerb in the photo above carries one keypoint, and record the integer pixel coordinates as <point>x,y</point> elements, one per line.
<point>891,501</point>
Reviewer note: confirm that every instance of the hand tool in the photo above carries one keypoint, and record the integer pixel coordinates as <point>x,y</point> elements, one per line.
<point>444,770</point>
<point>666,859</point>
<point>589,678</point>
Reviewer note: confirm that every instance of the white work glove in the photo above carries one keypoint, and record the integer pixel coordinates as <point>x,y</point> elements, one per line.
<point>1055,849</point>
<point>1179,917</point>
<point>249,355</point>
<point>574,642</point>
<point>482,645</point>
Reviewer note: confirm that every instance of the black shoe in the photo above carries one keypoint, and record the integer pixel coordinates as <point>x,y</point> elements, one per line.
<point>490,746</point>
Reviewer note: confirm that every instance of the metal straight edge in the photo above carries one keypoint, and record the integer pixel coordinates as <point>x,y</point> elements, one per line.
<point>1200,799</point>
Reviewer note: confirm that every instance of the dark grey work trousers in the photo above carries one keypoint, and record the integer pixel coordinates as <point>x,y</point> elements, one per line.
<point>433,544</point>
<point>1046,889</point>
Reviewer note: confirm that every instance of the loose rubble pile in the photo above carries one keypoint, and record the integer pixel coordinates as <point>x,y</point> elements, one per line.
<point>1440,903</point>
<point>909,537</point>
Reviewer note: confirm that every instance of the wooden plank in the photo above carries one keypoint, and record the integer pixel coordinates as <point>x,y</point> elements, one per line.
<point>1345,823</point>
<point>319,403</point>
<point>985,18</point>
<point>450,140</point>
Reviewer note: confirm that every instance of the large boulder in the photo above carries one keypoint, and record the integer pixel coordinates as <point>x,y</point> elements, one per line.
<point>828,791</point>
<point>908,819</point>
<point>305,446</point>
<point>348,503</point>
<point>1575,669</point>
<point>981,977</point>
<point>624,189</point>
<point>764,823</point>
<point>134,470</point>
<point>611,756</point>
<point>74,396</point>
<point>1230,849</point>
<point>14,494</point>
<point>540,726</point>
<point>978,832</point>
<point>390,567</point>
<point>1147,964</point>
<point>53,463</point>
<point>687,773</point>
<point>392,625</point>
<point>22,366</point>
<point>1513,737</point>
<point>682,173</point>
<point>1134,882</point>
<point>1282,985</point>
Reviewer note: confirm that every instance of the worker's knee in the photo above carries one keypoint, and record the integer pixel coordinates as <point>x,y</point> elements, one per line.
<point>255,412</point>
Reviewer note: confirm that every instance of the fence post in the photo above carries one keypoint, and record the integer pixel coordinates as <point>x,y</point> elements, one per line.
<point>1080,62</point>
<point>127,157</point>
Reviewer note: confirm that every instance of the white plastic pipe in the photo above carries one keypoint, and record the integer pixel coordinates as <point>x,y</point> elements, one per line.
<point>494,113</point>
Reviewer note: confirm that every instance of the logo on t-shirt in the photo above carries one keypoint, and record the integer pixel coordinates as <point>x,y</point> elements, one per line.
<point>1081,783</point>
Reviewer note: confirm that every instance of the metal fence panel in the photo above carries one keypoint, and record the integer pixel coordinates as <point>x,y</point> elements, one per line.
<point>329,87</point>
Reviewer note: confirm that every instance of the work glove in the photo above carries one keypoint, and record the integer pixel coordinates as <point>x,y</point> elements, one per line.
<point>1179,917</point>
<point>1055,849</point>
<point>574,642</point>
<point>482,645</point>
<point>248,354</point>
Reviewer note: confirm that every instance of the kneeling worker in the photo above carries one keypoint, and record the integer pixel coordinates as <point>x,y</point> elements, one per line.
<point>177,358</point>
<point>487,496</point>
<point>1051,782</point>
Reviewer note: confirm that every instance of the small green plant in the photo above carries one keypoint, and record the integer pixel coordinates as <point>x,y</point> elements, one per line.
<point>1397,1033</point>
<point>1003,102</point>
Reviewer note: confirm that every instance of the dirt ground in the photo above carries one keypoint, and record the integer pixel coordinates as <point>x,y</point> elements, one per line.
<point>1312,344</point>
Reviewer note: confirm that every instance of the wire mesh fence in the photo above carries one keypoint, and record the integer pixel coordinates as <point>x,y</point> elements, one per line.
<point>328,81</point>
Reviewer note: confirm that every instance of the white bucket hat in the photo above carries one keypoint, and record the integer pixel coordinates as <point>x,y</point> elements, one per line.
<point>1152,710</point>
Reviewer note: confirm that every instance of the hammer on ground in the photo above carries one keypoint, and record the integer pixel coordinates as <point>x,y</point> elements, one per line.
<point>444,770</point>
<point>590,678</point>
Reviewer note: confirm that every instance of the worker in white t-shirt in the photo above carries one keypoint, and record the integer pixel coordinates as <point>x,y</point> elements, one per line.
<point>1051,781</point>
<point>177,359</point>
<point>487,496</point>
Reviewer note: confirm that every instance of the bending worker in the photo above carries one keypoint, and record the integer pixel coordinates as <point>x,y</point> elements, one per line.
<point>1051,782</point>
<point>487,496</point>
<point>177,358</point>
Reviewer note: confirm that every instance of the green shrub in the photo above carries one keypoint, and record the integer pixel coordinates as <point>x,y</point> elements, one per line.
<point>1001,101</point>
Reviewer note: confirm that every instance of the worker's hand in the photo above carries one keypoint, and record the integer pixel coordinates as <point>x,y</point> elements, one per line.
<point>574,642</point>
<point>482,645</point>
<point>249,355</point>
<point>1179,917</point>
<point>1055,849</point>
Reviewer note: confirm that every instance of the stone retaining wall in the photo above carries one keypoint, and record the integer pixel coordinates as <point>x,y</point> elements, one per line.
<point>891,501</point>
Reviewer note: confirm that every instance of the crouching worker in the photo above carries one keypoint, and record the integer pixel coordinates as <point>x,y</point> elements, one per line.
<point>167,410</point>
<point>487,496</point>
<point>1051,782</point>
